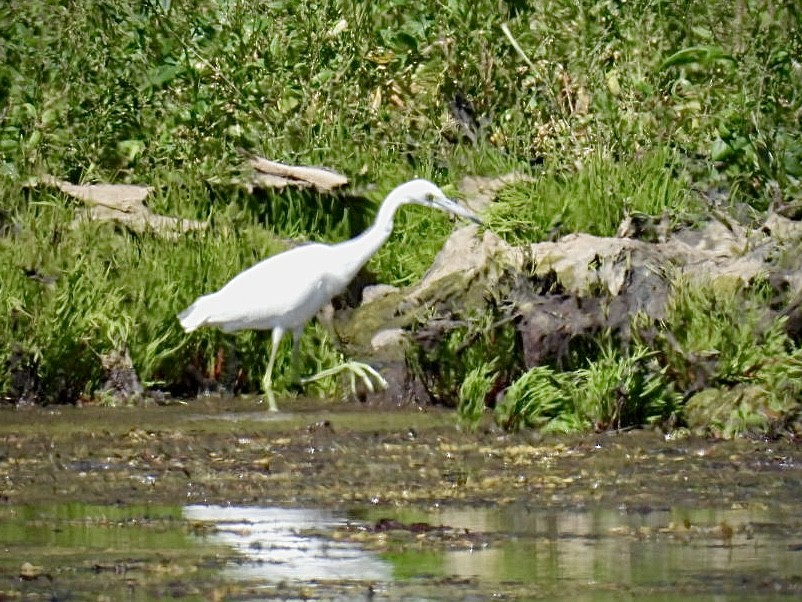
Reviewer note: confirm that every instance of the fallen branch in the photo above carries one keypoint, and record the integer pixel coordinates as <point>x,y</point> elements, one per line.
<point>272,174</point>
<point>124,204</point>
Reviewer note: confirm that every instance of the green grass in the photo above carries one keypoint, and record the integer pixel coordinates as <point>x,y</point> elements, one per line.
<point>594,199</point>
<point>613,390</point>
<point>716,363</point>
<point>614,107</point>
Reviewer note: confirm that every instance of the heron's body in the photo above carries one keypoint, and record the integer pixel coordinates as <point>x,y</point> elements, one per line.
<point>284,292</point>
<point>250,300</point>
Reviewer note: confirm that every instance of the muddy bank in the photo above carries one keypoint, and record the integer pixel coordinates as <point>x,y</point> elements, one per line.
<point>232,451</point>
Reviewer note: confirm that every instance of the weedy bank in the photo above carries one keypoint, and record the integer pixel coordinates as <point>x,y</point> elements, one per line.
<point>615,108</point>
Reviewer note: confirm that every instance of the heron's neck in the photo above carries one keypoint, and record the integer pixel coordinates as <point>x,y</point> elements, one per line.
<point>358,251</point>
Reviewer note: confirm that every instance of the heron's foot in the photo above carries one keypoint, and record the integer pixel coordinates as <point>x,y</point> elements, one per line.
<point>366,373</point>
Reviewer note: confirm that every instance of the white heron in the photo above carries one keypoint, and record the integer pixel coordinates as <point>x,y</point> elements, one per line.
<point>284,292</point>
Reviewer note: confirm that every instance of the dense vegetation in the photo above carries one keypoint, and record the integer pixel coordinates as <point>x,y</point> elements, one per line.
<point>614,106</point>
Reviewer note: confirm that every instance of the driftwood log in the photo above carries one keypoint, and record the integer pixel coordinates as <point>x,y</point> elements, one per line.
<point>123,204</point>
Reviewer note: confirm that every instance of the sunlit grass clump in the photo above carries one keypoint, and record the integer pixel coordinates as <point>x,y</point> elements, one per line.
<point>717,364</point>
<point>594,198</point>
<point>614,390</point>
<point>77,290</point>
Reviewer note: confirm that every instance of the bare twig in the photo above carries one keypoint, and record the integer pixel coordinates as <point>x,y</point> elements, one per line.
<point>517,46</point>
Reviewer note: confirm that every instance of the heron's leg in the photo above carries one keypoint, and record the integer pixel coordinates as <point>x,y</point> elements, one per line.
<point>267,381</point>
<point>296,349</point>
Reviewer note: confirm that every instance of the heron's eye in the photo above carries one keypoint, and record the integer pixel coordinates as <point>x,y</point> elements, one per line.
<point>429,197</point>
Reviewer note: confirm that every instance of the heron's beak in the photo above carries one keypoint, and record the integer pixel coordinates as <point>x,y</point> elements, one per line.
<point>453,207</point>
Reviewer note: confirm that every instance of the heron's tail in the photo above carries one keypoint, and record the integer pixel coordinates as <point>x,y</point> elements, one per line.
<point>196,315</point>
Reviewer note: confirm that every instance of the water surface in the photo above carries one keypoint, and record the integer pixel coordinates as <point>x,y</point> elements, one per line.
<point>211,501</point>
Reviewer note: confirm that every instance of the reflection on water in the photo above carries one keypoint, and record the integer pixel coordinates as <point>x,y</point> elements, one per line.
<point>89,527</point>
<point>145,552</point>
<point>615,547</point>
<point>585,552</point>
<point>273,547</point>
<point>76,551</point>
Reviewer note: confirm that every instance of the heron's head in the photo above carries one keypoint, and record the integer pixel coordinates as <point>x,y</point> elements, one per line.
<point>424,192</point>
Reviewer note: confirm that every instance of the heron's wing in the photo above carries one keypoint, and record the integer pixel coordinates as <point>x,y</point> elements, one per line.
<point>286,289</point>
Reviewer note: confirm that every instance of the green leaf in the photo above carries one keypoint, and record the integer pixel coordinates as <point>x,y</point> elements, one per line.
<point>792,162</point>
<point>404,39</point>
<point>161,75</point>
<point>720,150</point>
<point>701,55</point>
